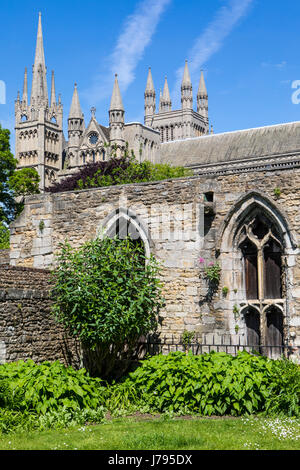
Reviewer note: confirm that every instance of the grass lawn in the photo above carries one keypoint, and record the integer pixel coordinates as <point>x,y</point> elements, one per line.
<point>165,434</point>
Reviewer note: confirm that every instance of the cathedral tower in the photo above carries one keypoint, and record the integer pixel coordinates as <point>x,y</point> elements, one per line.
<point>38,124</point>
<point>116,118</point>
<point>165,102</point>
<point>186,89</point>
<point>202,99</point>
<point>149,100</point>
<point>76,128</point>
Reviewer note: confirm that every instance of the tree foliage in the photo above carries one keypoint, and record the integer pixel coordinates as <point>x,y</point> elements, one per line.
<point>4,236</point>
<point>13,183</point>
<point>124,170</point>
<point>107,295</point>
<point>25,181</point>
<point>7,168</point>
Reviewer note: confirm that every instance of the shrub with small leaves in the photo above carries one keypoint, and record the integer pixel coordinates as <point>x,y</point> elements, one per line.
<point>108,295</point>
<point>115,171</point>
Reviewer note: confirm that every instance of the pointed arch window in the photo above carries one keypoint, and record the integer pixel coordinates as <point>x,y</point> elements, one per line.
<point>249,251</point>
<point>274,330</point>
<point>253,328</point>
<point>123,223</point>
<point>262,253</point>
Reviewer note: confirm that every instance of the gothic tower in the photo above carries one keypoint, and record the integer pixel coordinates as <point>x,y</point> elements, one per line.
<point>186,89</point>
<point>76,128</point>
<point>202,99</point>
<point>38,124</point>
<point>149,100</point>
<point>165,102</point>
<point>116,118</point>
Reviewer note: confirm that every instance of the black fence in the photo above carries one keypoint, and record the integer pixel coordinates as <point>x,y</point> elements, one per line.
<point>206,344</point>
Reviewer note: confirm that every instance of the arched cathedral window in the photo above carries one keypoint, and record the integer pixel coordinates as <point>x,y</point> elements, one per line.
<point>257,253</point>
<point>262,251</point>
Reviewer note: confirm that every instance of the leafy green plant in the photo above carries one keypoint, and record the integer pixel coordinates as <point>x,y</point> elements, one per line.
<point>25,181</point>
<point>4,236</point>
<point>124,170</point>
<point>210,384</point>
<point>277,193</point>
<point>285,389</point>
<point>26,386</point>
<point>213,272</point>
<point>11,420</point>
<point>107,296</point>
<point>41,226</point>
<point>7,168</point>
<point>225,291</point>
<point>236,311</point>
<point>187,338</point>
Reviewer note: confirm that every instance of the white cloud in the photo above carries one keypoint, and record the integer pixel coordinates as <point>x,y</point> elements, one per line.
<point>212,38</point>
<point>135,36</point>
<point>279,66</point>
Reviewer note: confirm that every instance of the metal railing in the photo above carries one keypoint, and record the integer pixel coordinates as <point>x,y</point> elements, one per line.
<point>206,344</point>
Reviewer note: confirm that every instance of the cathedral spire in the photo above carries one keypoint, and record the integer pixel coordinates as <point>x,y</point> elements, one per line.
<point>202,98</point>
<point>202,87</point>
<point>116,117</point>
<point>116,103</point>
<point>186,80</point>
<point>39,90</point>
<point>75,110</point>
<point>166,104</point>
<point>186,89</point>
<point>149,99</point>
<point>160,100</point>
<point>150,84</point>
<point>25,90</point>
<point>52,98</point>
<point>75,123</point>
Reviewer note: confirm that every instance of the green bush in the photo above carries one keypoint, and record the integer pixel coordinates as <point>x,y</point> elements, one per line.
<point>107,296</point>
<point>11,420</point>
<point>285,389</point>
<point>114,171</point>
<point>4,236</point>
<point>48,387</point>
<point>210,384</point>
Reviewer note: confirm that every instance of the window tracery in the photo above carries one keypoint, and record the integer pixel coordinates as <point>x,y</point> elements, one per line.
<point>262,254</point>
<point>262,251</point>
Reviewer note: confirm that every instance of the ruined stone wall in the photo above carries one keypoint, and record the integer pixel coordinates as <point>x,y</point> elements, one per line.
<point>171,211</point>
<point>27,328</point>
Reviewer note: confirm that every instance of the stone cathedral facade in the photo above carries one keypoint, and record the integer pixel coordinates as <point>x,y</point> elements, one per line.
<point>240,212</point>
<point>40,140</point>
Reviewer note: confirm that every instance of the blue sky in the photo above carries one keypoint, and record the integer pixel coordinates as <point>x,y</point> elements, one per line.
<point>247,48</point>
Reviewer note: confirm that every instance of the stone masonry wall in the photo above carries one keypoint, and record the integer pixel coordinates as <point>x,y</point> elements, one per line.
<point>27,328</point>
<point>171,211</point>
